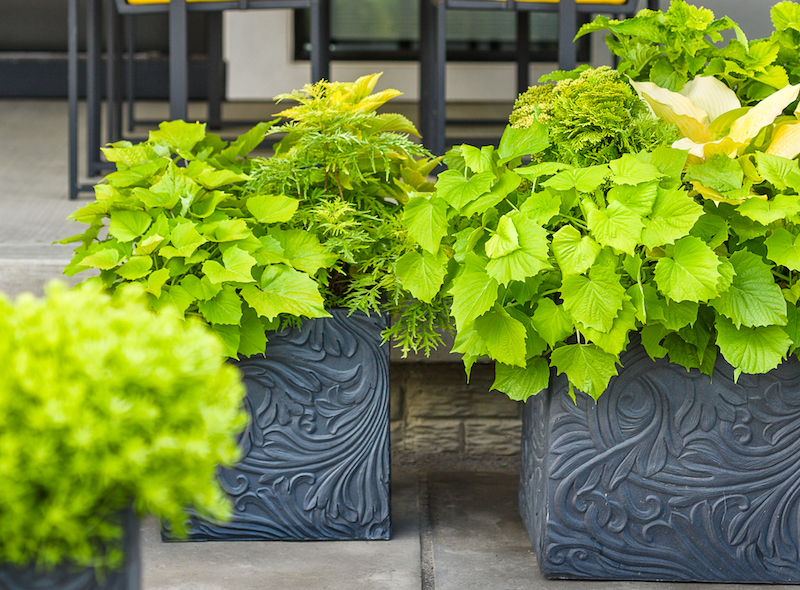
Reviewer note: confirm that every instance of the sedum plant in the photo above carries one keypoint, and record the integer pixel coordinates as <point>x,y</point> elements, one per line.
<point>105,405</point>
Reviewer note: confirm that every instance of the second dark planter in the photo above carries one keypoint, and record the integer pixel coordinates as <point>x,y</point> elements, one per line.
<point>670,476</point>
<point>316,451</point>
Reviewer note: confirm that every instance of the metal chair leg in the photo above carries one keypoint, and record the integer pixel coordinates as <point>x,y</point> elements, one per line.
<point>433,64</point>
<point>93,100</point>
<point>216,70</point>
<point>523,50</point>
<point>72,91</point>
<point>320,40</point>
<point>178,61</point>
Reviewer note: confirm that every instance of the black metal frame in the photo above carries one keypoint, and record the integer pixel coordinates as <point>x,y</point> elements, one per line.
<point>178,65</point>
<point>433,51</point>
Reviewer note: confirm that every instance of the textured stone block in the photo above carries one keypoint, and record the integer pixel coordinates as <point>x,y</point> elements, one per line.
<point>492,436</point>
<point>442,391</point>
<point>434,435</point>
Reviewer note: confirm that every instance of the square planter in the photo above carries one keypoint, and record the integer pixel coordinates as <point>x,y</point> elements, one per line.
<point>316,451</point>
<point>66,577</point>
<point>670,476</point>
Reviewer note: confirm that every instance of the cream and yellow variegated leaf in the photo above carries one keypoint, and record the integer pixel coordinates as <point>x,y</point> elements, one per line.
<point>764,113</point>
<point>675,108</point>
<point>711,95</point>
<point>786,141</point>
<point>709,148</point>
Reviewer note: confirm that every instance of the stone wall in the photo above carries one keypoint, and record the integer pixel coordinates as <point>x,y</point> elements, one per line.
<point>435,410</point>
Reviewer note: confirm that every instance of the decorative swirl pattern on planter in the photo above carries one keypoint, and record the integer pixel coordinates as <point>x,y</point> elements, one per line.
<point>316,451</point>
<point>670,476</point>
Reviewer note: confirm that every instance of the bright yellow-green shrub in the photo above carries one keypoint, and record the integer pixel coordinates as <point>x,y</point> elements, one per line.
<point>104,405</point>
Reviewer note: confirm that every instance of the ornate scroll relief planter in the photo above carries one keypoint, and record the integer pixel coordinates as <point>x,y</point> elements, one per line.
<point>316,451</point>
<point>68,578</point>
<point>669,477</point>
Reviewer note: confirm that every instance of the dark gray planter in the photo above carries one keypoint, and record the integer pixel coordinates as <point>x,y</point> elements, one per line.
<point>68,578</point>
<point>670,476</point>
<point>316,451</point>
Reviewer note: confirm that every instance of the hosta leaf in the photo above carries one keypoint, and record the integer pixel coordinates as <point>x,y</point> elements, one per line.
<point>552,322</point>
<point>285,290</point>
<point>594,301</point>
<point>516,143</point>
<point>504,240</point>
<point>426,221</point>
<point>766,212</point>
<point>528,260</point>
<point>520,383</point>
<point>136,268</point>
<point>224,308</point>
<point>459,191</point>
<point>751,350</point>
<point>128,225</point>
<point>422,274</point>
<point>504,336</point>
<point>272,208</point>
<point>691,274</point>
<point>631,170</point>
<point>304,251</point>
<point>252,336</point>
<point>753,299</point>
<point>783,249</point>
<point>616,226</point>
<point>584,180</point>
<point>474,293</point>
<point>587,366</point>
<point>574,253</point>
<point>674,215</point>
<point>201,289</point>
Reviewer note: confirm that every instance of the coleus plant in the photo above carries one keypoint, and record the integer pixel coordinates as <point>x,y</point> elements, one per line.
<point>550,266</point>
<point>176,218</point>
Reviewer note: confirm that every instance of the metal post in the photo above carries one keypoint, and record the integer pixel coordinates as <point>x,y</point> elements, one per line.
<point>113,99</point>
<point>93,102</point>
<point>130,71</point>
<point>567,22</point>
<point>523,50</point>
<point>72,91</point>
<point>216,69</point>
<point>320,40</point>
<point>433,63</point>
<point>178,61</point>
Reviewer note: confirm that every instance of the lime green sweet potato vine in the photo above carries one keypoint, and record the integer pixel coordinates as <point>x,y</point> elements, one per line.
<point>175,217</point>
<point>106,405</point>
<point>553,266</point>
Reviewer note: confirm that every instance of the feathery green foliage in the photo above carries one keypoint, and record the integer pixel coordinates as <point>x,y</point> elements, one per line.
<point>103,405</point>
<point>352,169</point>
<point>593,116</point>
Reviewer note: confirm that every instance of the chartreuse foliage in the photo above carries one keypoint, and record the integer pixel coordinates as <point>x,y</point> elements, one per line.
<point>351,169</point>
<point>180,222</point>
<point>552,266</point>
<point>106,405</point>
<point>670,48</point>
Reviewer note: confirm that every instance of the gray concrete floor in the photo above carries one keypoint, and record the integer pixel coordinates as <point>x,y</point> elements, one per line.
<point>456,524</point>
